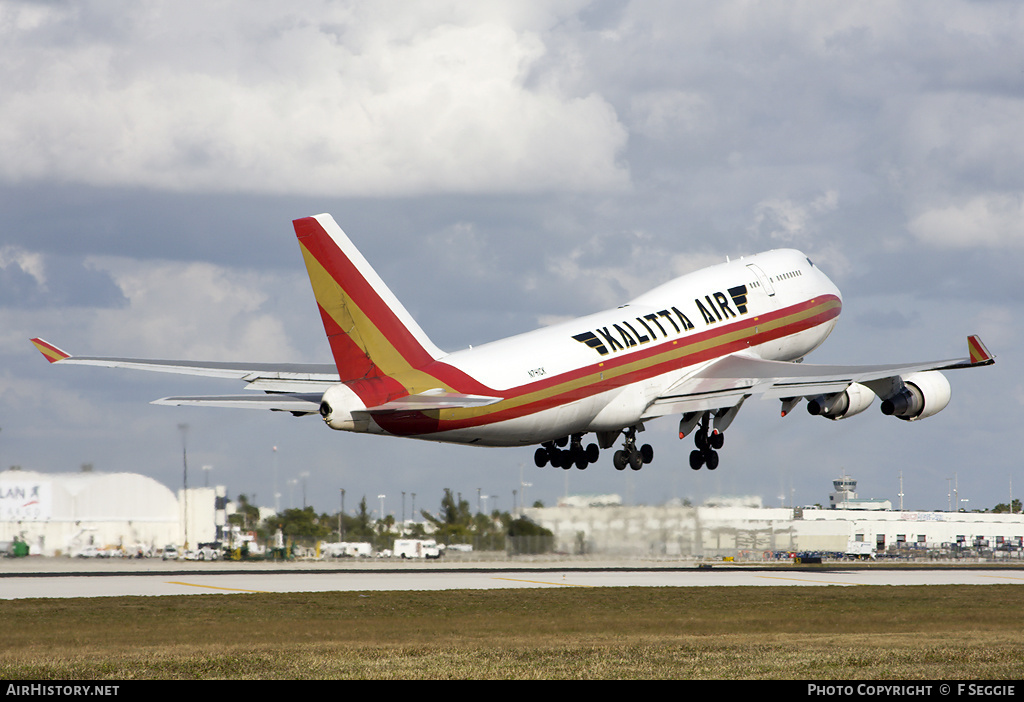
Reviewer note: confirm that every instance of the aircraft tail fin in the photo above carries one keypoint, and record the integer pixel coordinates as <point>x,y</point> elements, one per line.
<point>371,334</point>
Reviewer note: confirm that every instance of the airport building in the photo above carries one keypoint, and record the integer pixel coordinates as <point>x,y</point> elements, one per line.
<point>743,528</point>
<point>72,513</point>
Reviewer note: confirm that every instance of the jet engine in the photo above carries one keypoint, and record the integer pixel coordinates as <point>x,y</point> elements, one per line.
<point>854,400</point>
<point>340,409</point>
<point>922,395</point>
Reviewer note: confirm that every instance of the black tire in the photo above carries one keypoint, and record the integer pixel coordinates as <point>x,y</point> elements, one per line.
<point>696,459</point>
<point>619,460</point>
<point>636,461</point>
<point>540,457</point>
<point>712,460</point>
<point>717,440</point>
<point>579,457</point>
<point>647,453</point>
<point>593,453</point>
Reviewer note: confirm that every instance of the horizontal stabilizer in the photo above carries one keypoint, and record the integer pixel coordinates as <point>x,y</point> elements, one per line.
<point>277,402</point>
<point>434,400</point>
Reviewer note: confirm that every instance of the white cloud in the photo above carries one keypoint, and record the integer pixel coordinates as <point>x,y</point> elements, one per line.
<point>789,221</point>
<point>28,261</point>
<point>327,99</point>
<point>191,311</point>
<point>993,220</point>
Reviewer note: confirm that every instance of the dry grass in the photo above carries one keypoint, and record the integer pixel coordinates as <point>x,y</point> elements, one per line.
<point>927,632</point>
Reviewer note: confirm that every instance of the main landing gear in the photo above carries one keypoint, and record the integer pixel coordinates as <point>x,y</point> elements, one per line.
<point>575,455</point>
<point>708,442</point>
<point>555,453</point>
<point>630,455</point>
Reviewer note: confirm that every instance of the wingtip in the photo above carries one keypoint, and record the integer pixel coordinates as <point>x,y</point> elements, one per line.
<point>979,353</point>
<point>49,351</point>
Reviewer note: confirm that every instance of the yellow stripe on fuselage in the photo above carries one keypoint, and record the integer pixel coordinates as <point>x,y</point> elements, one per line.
<point>351,319</point>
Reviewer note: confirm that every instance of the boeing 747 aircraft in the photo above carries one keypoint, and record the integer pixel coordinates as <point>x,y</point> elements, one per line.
<point>698,347</point>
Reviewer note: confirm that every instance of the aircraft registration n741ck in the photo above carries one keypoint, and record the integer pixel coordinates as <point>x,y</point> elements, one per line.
<point>698,346</point>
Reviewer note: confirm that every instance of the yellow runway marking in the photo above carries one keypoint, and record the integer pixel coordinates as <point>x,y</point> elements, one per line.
<point>213,587</point>
<point>804,580</point>
<point>1007,577</point>
<point>541,582</point>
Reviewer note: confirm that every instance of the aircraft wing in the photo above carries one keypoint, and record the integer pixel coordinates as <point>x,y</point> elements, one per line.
<point>271,377</point>
<point>729,381</point>
<point>289,387</point>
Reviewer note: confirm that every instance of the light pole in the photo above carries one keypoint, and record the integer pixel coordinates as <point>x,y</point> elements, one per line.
<point>183,428</point>
<point>341,520</point>
<point>277,493</point>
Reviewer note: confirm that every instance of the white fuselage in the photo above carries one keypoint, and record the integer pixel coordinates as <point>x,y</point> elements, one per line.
<point>601,372</point>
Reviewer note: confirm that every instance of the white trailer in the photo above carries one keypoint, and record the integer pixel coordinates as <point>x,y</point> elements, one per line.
<point>859,549</point>
<point>346,549</point>
<point>416,548</point>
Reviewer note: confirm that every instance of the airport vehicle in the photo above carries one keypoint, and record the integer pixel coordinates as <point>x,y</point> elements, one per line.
<point>208,552</point>
<point>416,548</point>
<point>170,553</point>
<point>346,549</point>
<point>859,550</point>
<point>697,347</point>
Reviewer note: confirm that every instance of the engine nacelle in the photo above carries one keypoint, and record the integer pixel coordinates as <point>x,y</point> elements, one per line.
<point>854,400</point>
<point>923,395</point>
<point>340,408</point>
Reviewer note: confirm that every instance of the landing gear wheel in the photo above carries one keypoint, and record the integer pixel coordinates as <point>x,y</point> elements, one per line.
<point>701,440</point>
<point>636,461</point>
<point>593,453</point>
<point>647,453</point>
<point>540,457</point>
<point>696,459</point>
<point>717,440</point>
<point>580,458</point>
<point>711,459</point>
<point>619,460</point>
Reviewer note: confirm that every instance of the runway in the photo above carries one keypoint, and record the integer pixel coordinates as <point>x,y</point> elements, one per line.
<point>240,579</point>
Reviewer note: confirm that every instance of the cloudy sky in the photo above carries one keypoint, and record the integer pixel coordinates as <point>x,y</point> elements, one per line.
<point>503,165</point>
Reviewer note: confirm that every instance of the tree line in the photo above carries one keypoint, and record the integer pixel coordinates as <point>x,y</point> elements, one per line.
<point>453,523</point>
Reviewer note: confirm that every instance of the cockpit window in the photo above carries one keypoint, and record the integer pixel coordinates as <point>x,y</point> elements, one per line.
<point>810,262</point>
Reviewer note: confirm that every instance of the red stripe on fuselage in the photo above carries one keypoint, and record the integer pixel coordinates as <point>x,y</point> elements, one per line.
<point>417,423</point>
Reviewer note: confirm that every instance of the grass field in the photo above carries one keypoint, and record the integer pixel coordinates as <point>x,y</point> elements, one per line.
<point>868,632</point>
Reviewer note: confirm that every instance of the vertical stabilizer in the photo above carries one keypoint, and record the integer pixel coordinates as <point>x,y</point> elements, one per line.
<point>371,334</point>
